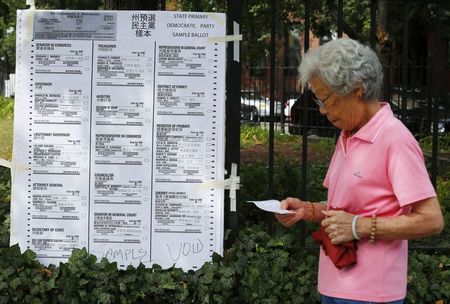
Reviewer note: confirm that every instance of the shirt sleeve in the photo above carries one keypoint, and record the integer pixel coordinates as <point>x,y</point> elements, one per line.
<point>326,181</point>
<point>408,175</point>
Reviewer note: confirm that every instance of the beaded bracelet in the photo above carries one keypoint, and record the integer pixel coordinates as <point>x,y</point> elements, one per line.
<point>373,229</point>
<point>313,211</point>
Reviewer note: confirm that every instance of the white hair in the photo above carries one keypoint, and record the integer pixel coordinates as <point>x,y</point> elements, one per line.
<point>344,65</point>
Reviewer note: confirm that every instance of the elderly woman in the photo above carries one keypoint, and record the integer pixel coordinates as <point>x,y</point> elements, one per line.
<point>379,192</point>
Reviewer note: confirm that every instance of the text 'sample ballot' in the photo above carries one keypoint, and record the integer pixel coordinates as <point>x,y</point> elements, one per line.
<point>119,117</point>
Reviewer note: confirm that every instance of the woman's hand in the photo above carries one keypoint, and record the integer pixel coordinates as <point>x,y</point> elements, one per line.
<point>298,206</point>
<point>338,225</point>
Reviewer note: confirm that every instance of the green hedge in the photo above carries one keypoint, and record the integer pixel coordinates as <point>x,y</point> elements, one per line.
<point>259,268</point>
<point>5,197</point>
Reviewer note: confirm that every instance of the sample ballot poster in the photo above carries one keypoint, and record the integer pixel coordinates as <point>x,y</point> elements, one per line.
<point>119,119</point>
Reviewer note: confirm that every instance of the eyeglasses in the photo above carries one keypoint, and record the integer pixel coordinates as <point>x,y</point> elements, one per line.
<point>321,103</point>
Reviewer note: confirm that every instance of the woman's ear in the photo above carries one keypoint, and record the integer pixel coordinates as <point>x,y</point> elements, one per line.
<point>359,92</point>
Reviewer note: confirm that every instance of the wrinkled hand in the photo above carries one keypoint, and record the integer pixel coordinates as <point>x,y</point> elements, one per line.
<point>338,226</point>
<point>294,204</point>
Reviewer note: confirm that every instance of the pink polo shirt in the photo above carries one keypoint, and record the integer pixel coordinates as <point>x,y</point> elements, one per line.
<point>381,171</point>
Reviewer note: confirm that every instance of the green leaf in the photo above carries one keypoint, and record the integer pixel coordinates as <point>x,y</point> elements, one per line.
<point>29,255</point>
<point>14,283</point>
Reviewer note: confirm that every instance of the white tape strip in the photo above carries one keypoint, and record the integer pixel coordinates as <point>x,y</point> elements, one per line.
<point>5,163</point>
<point>29,19</point>
<point>31,4</point>
<point>211,184</point>
<point>8,164</point>
<point>236,42</point>
<point>232,183</point>
<point>216,18</point>
<point>13,166</point>
<point>225,38</point>
<point>219,184</point>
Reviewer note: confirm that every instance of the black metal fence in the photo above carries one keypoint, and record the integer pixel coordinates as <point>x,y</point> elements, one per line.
<point>416,80</point>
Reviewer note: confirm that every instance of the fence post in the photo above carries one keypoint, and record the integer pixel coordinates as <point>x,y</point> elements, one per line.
<point>304,125</point>
<point>405,46</point>
<point>273,29</point>
<point>232,109</point>
<point>373,23</point>
<point>340,33</point>
<point>438,81</point>
<point>340,18</point>
<point>283,71</point>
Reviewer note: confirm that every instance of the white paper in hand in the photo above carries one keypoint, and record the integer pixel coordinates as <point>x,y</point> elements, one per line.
<point>271,206</point>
